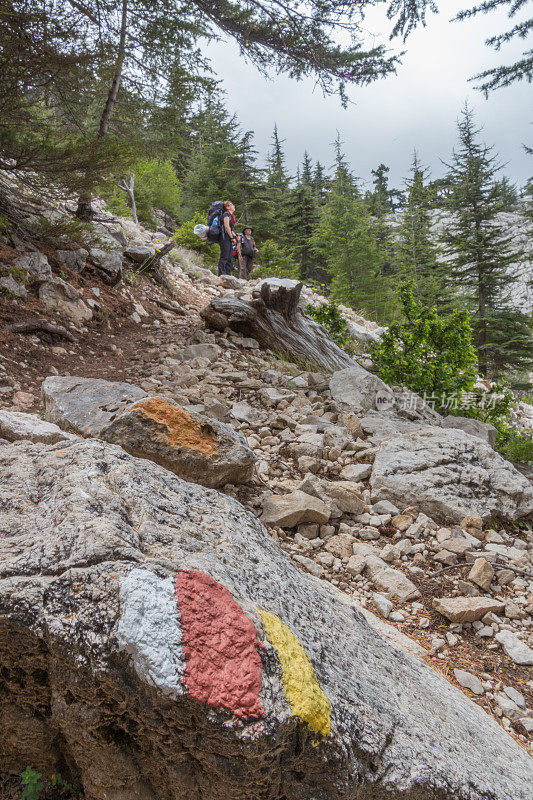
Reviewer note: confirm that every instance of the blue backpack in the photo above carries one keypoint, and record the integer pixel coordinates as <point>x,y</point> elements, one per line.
<point>215,228</point>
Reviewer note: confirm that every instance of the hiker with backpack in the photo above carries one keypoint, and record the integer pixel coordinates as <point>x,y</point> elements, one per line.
<point>227,237</point>
<point>220,228</point>
<point>246,249</point>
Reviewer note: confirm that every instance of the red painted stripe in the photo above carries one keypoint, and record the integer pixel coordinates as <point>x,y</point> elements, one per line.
<point>222,665</point>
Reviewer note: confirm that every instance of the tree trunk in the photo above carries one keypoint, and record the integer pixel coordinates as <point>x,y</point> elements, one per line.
<point>482,327</point>
<point>117,77</point>
<point>129,189</point>
<point>275,321</point>
<point>84,210</point>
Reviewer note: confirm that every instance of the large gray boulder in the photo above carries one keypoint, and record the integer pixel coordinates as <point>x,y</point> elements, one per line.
<point>108,262</point>
<point>73,259</point>
<point>193,446</point>
<point>156,644</point>
<point>9,284</point>
<point>86,405</point>
<point>139,252</point>
<point>16,425</point>
<point>472,426</point>
<point>448,475</point>
<point>61,298</point>
<point>355,389</point>
<point>36,265</point>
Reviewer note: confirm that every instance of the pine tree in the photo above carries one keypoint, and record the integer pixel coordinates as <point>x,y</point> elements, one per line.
<point>300,219</point>
<point>248,179</point>
<point>416,254</point>
<point>504,74</point>
<point>320,183</point>
<point>345,236</point>
<point>212,172</point>
<point>380,205</point>
<point>307,170</point>
<point>379,199</point>
<point>277,177</point>
<point>276,191</point>
<point>481,252</point>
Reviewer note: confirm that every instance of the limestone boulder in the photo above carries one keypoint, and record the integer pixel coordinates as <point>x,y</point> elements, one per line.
<point>75,260</point>
<point>448,474</point>
<point>482,573</point>
<point>209,351</point>
<point>341,497</point>
<point>157,644</point>
<point>61,298</point>
<point>139,252</point>
<point>36,265</point>
<point>86,405</point>
<point>357,390</point>
<point>474,427</point>
<point>395,584</point>
<point>197,448</point>
<point>466,609</point>
<point>108,262</point>
<point>288,510</point>
<point>15,425</point>
<point>9,284</point>
<point>515,648</point>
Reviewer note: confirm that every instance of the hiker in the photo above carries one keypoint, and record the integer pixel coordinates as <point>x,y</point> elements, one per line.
<point>246,249</point>
<point>227,238</point>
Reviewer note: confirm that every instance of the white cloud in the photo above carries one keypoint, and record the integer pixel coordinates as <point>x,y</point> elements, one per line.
<point>416,108</point>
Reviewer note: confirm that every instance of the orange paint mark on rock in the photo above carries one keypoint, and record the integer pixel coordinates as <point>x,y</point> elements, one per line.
<point>222,664</point>
<point>182,429</point>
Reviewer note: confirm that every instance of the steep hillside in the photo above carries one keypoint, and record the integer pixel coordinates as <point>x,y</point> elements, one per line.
<point>358,578</point>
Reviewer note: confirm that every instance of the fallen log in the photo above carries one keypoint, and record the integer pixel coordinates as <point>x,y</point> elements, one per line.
<point>173,306</point>
<point>274,319</point>
<point>33,325</point>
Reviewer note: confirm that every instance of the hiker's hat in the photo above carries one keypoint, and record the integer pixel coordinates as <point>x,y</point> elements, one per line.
<point>248,228</point>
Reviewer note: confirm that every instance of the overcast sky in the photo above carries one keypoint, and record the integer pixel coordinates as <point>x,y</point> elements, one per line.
<point>415,108</point>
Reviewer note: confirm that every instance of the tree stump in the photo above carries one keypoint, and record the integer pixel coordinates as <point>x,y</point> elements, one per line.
<point>274,319</point>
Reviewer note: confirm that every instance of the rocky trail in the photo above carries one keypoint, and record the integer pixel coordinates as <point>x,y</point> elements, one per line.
<point>397,552</point>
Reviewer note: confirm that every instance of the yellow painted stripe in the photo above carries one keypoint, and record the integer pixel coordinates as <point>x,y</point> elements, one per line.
<point>306,699</point>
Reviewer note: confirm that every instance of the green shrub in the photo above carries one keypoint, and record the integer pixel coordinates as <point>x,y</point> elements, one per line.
<point>156,186</point>
<point>62,228</point>
<point>487,406</point>
<point>428,352</point>
<point>186,237</point>
<point>31,784</point>
<point>5,225</point>
<point>19,275</point>
<point>512,442</point>
<point>515,444</point>
<point>275,262</point>
<point>330,316</point>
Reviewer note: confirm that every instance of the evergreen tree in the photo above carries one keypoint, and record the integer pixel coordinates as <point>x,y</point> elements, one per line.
<point>307,170</point>
<point>380,204</point>
<point>345,236</point>
<point>481,253</point>
<point>276,192</point>
<point>416,253</point>
<point>300,219</point>
<point>504,74</point>
<point>249,179</point>
<point>212,172</point>
<point>379,199</point>
<point>320,183</point>
<point>277,177</point>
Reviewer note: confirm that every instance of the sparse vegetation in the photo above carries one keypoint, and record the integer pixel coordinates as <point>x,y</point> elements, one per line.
<point>330,316</point>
